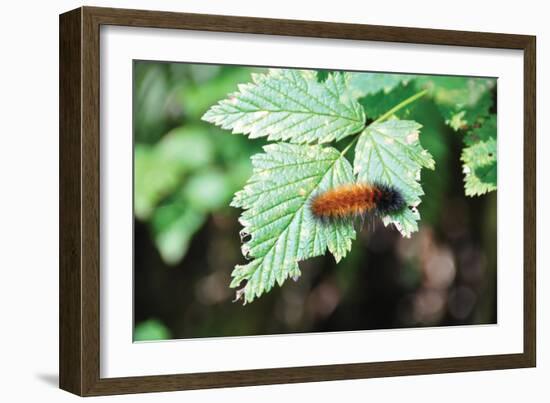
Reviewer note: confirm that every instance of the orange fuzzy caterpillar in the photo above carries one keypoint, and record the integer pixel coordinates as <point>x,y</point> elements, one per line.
<point>356,200</point>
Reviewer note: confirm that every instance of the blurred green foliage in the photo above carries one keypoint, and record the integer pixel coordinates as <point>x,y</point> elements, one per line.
<point>462,101</point>
<point>184,168</point>
<point>151,329</point>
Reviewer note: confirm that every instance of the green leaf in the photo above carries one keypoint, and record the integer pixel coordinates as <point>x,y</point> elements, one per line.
<point>484,132</point>
<point>160,169</point>
<point>390,152</point>
<point>151,329</point>
<point>322,75</point>
<point>152,90</point>
<point>197,98</point>
<point>291,105</point>
<point>465,103</point>
<point>461,100</point>
<point>362,84</point>
<point>154,179</point>
<point>375,105</point>
<point>480,167</point>
<point>187,147</point>
<point>479,158</point>
<point>174,225</point>
<point>277,217</point>
<point>435,138</point>
<point>208,190</point>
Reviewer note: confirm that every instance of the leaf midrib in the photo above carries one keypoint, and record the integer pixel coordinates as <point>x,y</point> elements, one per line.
<point>307,112</point>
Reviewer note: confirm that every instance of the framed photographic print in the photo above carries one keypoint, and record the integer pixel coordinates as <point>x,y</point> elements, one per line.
<point>249,201</point>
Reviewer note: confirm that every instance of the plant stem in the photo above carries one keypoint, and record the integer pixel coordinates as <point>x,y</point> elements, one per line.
<point>387,115</point>
<point>400,105</point>
<point>351,143</point>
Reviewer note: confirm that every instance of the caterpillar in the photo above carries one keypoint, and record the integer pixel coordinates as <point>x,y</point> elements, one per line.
<point>356,200</point>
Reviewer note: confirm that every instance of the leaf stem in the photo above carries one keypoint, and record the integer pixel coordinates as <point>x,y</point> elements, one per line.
<point>387,115</point>
<point>351,143</point>
<point>401,105</point>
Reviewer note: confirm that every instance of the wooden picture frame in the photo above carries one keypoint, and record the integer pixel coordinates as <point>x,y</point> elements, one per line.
<point>80,199</point>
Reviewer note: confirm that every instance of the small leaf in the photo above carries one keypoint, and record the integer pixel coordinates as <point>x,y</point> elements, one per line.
<point>160,169</point>
<point>362,84</point>
<point>151,329</point>
<point>197,97</point>
<point>479,158</point>
<point>208,190</point>
<point>277,217</point>
<point>322,75</point>
<point>174,225</point>
<point>390,152</point>
<point>154,179</point>
<point>291,105</point>
<point>482,133</point>
<point>188,147</point>
<point>480,167</point>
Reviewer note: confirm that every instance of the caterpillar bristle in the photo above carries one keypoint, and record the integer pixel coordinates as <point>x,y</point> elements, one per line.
<point>357,201</point>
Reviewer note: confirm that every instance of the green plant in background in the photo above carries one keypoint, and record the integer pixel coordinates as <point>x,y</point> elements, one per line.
<point>304,111</point>
<point>466,105</point>
<point>151,329</point>
<point>184,169</point>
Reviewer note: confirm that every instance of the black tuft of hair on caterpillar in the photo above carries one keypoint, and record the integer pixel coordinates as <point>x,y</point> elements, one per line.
<point>389,200</point>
